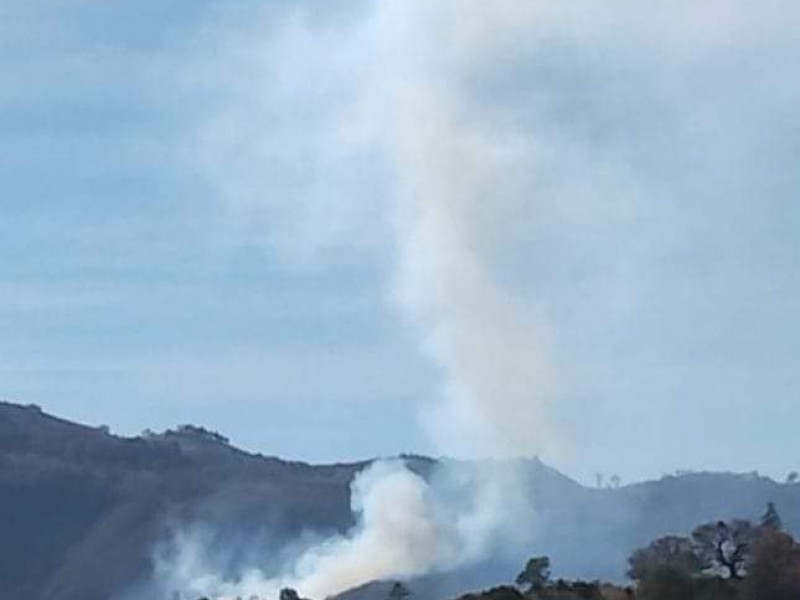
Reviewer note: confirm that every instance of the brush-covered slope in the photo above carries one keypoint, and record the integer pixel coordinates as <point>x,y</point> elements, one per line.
<point>81,510</point>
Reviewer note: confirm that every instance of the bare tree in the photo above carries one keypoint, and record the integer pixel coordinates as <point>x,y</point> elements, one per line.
<point>724,546</point>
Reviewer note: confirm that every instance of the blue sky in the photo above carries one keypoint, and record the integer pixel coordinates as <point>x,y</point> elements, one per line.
<point>181,241</point>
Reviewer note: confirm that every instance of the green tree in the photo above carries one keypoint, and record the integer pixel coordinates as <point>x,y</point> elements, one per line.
<point>667,582</point>
<point>771,519</point>
<point>399,591</point>
<point>674,551</point>
<point>289,594</point>
<point>535,574</point>
<point>774,570</point>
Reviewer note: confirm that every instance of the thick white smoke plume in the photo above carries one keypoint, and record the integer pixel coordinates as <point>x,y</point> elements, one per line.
<point>457,190</point>
<point>424,111</point>
<point>406,527</point>
<point>402,83</point>
<point>397,533</point>
<point>454,193</point>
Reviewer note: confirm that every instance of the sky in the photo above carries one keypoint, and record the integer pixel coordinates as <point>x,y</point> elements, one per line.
<point>199,221</point>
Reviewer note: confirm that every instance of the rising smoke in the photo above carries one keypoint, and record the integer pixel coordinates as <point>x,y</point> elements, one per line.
<point>456,184</point>
<point>407,527</point>
<point>472,184</point>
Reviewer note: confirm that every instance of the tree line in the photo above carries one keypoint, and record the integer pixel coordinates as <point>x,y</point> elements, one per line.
<point>723,560</point>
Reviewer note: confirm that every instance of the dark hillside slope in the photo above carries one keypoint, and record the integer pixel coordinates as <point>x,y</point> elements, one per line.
<point>81,510</point>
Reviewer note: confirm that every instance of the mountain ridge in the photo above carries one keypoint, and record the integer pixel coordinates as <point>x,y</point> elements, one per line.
<point>82,509</point>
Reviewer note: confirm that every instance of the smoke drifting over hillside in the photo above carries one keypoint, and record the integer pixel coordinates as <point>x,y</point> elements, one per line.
<point>477,188</point>
<point>406,527</point>
<point>454,187</point>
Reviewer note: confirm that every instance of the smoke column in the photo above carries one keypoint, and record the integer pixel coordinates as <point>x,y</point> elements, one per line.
<point>457,185</point>
<point>493,373</point>
<point>486,177</point>
<point>406,527</point>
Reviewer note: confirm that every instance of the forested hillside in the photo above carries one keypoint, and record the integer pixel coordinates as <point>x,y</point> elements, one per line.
<point>81,510</point>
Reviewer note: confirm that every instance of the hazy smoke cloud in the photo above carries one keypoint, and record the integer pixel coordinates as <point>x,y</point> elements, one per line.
<point>411,129</point>
<point>486,345</point>
<point>537,173</point>
<point>459,188</point>
<point>406,527</point>
<point>403,147</point>
<point>419,122</point>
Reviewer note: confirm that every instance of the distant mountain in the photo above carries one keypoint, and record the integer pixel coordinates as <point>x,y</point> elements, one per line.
<point>81,510</point>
